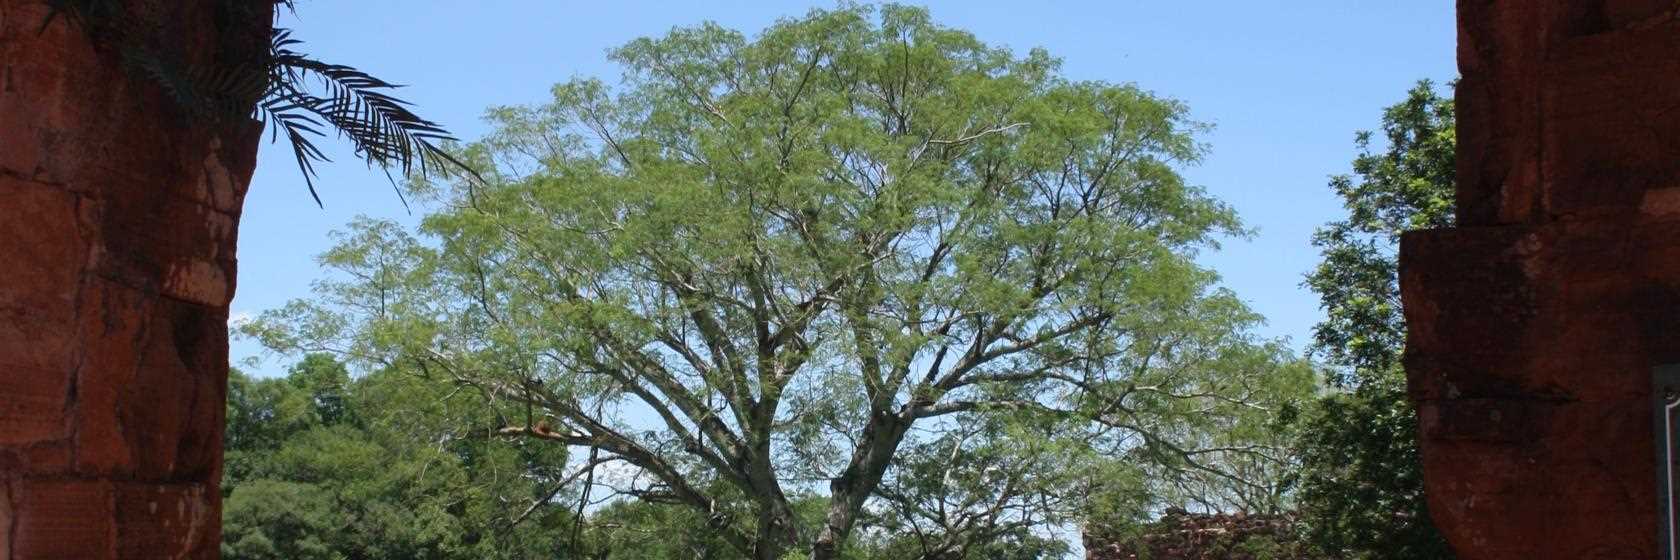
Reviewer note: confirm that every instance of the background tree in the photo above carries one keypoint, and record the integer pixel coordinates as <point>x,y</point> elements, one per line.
<point>323,467</point>
<point>1362,484</point>
<point>760,269</point>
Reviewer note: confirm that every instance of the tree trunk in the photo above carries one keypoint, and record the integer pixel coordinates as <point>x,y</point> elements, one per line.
<point>775,529</point>
<point>848,493</point>
<point>118,219</point>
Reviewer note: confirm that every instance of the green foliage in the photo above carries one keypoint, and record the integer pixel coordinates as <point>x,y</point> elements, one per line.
<point>278,520</point>
<point>1263,547</point>
<point>809,264</point>
<point>1361,484</point>
<point>1408,185</point>
<point>321,466</point>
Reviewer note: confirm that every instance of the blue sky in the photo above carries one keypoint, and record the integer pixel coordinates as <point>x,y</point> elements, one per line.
<point>1286,84</point>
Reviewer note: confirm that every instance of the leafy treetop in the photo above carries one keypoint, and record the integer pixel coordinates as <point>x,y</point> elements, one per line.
<point>1361,476</point>
<point>771,268</point>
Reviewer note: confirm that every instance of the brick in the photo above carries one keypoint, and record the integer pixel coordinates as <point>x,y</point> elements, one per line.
<point>5,521</point>
<point>166,521</point>
<point>113,328</point>
<point>68,520</point>
<point>32,404</point>
<point>44,255</point>
<point>173,411</point>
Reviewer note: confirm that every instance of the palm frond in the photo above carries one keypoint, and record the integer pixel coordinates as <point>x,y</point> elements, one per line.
<point>285,116</point>
<point>382,128</point>
<point>286,89</point>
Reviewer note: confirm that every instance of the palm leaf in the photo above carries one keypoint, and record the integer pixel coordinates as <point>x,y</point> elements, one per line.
<point>383,129</point>
<point>291,92</point>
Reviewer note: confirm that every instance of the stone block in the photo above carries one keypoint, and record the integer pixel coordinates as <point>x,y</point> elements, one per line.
<point>1499,421</point>
<point>32,403</point>
<point>1499,526</point>
<point>192,261</point>
<point>63,520</point>
<point>115,327</point>
<point>1609,135</point>
<point>5,519</point>
<point>119,213</point>
<point>1637,13</point>
<point>166,521</point>
<point>173,411</point>
<point>1540,448</point>
<point>1474,468</point>
<point>44,254</point>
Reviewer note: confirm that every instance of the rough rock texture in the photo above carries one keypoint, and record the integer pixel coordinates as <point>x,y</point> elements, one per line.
<point>1192,536</point>
<point>118,217</point>
<point>1534,325</point>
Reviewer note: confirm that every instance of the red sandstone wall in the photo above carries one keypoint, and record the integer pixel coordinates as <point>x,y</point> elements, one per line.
<point>1534,326</point>
<point>1565,108</point>
<point>118,218</point>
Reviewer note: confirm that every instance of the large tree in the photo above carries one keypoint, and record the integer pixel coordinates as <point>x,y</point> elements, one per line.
<point>759,269</point>
<point>1362,485</point>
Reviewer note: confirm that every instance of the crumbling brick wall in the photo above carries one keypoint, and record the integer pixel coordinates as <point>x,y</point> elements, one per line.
<point>1180,535</point>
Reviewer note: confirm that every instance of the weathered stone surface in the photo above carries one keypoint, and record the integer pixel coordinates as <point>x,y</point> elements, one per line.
<point>1533,327</point>
<point>114,324</point>
<point>1529,357</point>
<point>5,521</point>
<point>118,223</point>
<point>44,251</point>
<point>148,400</point>
<point>57,519</point>
<point>172,412</point>
<point>165,521</point>
<point>1559,110</point>
<point>32,404</point>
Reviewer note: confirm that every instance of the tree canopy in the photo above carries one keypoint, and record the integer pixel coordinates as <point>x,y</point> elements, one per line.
<point>859,273</point>
<point>322,467</point>
<point>1362,483</point>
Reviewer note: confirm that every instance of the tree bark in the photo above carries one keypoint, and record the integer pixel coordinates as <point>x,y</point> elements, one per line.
<point>118,220</point>
<point>848,493</point>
